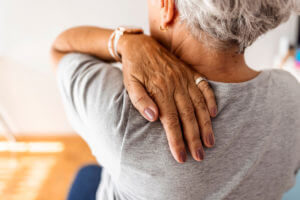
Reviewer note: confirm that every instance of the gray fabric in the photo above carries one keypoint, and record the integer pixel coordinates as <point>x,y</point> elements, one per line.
<point>257,137</point>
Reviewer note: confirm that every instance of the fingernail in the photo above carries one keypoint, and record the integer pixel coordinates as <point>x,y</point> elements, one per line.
<point>200,154</point>
<point>182,156</point>
<point>149,114</point>
<point>211,140</point>
<point>214,111</point>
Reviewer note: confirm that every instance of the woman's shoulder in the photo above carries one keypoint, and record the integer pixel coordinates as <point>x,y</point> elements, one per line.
<point>284,88</point>
<point>283,80</point>
<point>282,76</point>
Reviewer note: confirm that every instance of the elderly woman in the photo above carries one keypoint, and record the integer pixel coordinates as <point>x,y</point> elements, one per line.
<point>255,136</point>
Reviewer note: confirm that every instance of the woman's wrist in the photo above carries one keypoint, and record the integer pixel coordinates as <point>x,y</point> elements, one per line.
<point>128,40</point>
<point>123,42</point>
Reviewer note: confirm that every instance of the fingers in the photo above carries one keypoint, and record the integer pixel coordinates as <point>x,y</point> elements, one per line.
<point>203,116</point>
<point>209,96</point>
<point>190,125</point>
<point>169,119</point>
<point>142,102</point>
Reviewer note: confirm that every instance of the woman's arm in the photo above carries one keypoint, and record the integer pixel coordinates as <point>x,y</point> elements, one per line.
<point>88,40</point>
<point>147,65</point>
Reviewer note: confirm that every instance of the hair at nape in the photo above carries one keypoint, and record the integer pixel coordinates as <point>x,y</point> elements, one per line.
<point>234,22</point>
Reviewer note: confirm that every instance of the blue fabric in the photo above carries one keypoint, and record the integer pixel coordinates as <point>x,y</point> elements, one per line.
<point>86,183</point>
<point>294,193</point>
<point>298,55</point>
<point>88,179</point>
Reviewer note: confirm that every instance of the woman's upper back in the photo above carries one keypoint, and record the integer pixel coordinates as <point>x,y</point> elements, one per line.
<point>257,132</point>
<point>257,135</point>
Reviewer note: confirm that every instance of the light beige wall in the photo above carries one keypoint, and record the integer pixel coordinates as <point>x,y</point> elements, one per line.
<point>29,97</point>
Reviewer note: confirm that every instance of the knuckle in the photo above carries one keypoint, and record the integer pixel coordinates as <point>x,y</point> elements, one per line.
<point>198,102</point>
<point>211,97</point>
<point>207,123</point>
<point>139,100</point>
<point>176,75</point>
<point>159,86</point>
<point>203,107</point>
<point>175,142</point>
<point>172,120</point>
<point>188,114</point>
<point>156,92</point>
<point>194,138</point>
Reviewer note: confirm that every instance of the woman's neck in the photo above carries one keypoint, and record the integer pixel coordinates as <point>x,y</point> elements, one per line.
<point>216,65</point>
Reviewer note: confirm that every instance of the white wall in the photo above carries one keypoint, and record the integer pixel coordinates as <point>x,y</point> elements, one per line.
<point>29,97</point>
<point>261,54</point>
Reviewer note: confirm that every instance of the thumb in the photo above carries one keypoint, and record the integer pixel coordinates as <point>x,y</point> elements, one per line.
<point>142,102</point>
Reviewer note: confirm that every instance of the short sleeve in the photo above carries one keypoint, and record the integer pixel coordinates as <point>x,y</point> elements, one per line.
<point>96,103</point>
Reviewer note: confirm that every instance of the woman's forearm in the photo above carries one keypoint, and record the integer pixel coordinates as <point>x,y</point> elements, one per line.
<point>84,39</point>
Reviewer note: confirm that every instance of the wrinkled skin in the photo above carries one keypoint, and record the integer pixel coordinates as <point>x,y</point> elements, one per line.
<point>184,109</point>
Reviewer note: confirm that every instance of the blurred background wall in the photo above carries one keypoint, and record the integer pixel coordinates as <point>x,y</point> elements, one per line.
<point>29,99</point>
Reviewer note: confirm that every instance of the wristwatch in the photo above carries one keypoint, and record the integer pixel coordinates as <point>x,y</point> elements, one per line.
<point>115,37</point>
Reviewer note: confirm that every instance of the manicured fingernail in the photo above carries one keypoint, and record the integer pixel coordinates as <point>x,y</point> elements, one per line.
<point>182,156</point>
<point>150,114</point>
<point>211,139</point>
<point>200,154</point>
<point>214,111</point>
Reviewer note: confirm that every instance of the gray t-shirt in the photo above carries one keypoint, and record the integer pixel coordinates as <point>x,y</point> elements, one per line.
<point>257,130</point>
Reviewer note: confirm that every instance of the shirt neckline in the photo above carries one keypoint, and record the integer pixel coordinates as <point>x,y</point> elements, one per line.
<point>254,82</point>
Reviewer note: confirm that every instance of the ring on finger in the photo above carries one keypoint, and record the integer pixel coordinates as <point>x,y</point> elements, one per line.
<point>200,79</point>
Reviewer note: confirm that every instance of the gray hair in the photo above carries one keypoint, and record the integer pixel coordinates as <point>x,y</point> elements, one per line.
<point>234,22</point>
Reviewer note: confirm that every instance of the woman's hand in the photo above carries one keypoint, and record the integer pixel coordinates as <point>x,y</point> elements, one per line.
<point>150,70</point>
